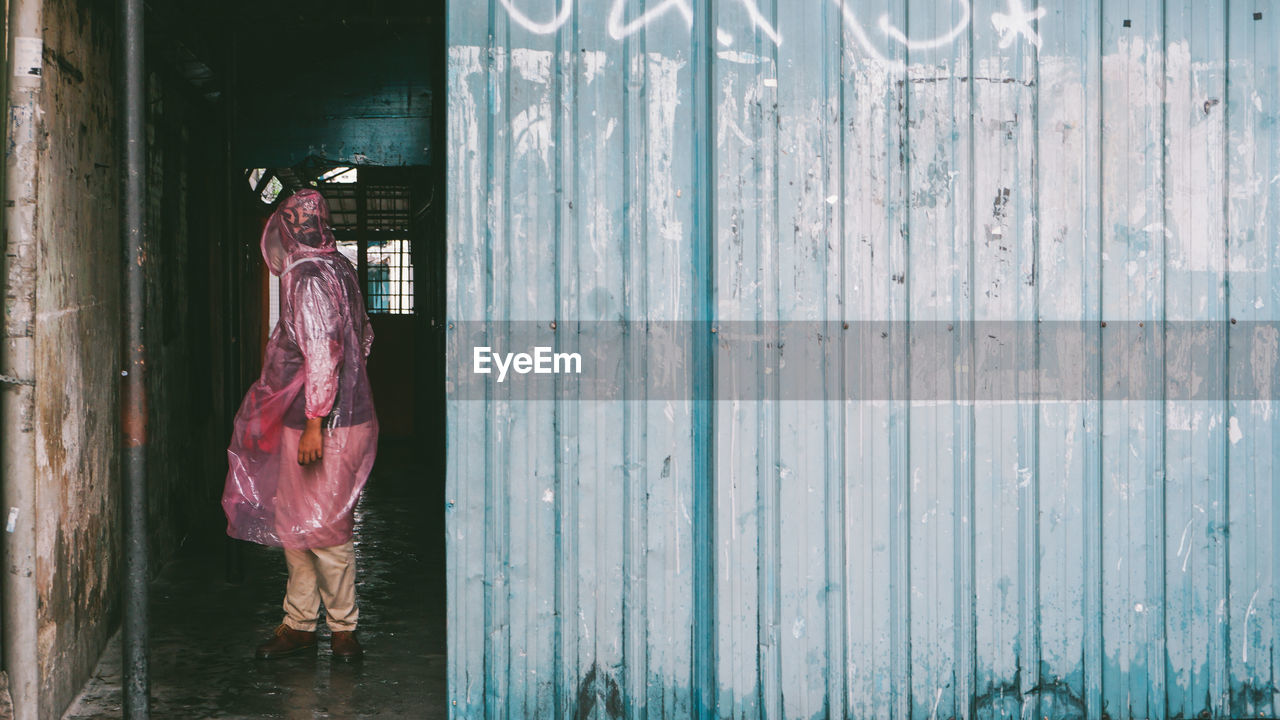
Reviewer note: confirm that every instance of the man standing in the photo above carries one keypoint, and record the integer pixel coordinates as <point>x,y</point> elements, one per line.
<point>306,434</point>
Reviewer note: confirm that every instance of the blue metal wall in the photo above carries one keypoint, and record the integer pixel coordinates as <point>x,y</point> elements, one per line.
<point>849,160</point>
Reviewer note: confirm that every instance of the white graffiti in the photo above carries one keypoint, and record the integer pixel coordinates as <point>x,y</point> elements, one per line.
<point>533,26</point>
<point>893,33</point>
<point>620,31</point>
<point>759,22</point>
<point>1017,21</point>
<point>947,38</point>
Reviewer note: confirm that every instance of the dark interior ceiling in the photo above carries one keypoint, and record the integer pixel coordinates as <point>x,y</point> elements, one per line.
<point>268,58</point>
<point>199,38</point>
<point>271,16</point>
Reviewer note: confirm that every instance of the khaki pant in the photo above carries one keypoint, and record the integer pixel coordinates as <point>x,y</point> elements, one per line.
<point>317,574</point>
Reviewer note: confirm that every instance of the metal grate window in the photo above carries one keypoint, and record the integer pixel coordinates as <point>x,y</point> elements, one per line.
<point>371,224</point>
<point>390,277</point>
<point>344,218</point>
<point>342,208</point>
<point>387,208</point>
<point>390,264</point>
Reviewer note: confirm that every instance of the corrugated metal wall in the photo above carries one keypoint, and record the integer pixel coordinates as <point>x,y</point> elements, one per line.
<point>901,162</point>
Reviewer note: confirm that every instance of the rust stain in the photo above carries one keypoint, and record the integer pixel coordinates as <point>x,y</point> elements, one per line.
<point>133,412</point>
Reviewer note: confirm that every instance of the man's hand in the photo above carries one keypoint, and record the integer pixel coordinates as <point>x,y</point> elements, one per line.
<point>311,446</point>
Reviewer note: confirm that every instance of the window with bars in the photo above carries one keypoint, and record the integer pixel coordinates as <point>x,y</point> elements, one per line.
<point>390,266</point>
<point>372,225</point>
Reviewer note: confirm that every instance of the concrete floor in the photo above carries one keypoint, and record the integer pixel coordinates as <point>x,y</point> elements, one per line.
<point>204,630</point>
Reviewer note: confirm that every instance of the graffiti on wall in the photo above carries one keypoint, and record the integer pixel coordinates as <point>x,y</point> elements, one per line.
<point>1016,21</point>
<point>618,30</point>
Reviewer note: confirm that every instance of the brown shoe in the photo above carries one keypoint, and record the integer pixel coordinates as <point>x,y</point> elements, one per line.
<point>286,641</point>
<point>345,646</point>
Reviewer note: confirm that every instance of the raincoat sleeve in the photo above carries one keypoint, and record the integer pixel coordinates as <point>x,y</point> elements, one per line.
<point>317,326</point>
<point>366,338</point>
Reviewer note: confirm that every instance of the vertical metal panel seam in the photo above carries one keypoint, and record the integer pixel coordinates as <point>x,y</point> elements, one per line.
<point>1221,705</point>
<point>900,487</point>
<point>843,600</point>
<point>487,532</point>
<point>836,467</point>
<point>501,441</point>
<point>704,682</point>
<point>498,399</point>
<point>769,591</point>
<point>634,668</point>
<point>966,631</point>
<point>628,520</point>
<point>584,603</point>
<point>1093,464</point>
<point>572,612</point>
<point>558,699</point>
<point>1159,664</point>
<point>1030,542</point>
<point>643,69</point>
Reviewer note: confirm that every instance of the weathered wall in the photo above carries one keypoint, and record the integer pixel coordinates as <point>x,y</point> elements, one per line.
<point>78,334</point>
<point>800,554</point>
<point>188,335</point>
<point>78,349</point>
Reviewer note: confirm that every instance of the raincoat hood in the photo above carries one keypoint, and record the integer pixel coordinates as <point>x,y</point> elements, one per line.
<point>299,228</point>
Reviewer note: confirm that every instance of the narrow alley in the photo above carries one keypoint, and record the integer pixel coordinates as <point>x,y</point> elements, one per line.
<point>149,145</point>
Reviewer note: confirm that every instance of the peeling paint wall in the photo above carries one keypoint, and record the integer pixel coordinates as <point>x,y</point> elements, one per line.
<point>78,335</point>
<point>78,350</point>
<point>915,163</point>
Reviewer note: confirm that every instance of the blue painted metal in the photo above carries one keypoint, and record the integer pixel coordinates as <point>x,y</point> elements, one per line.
<point>914,162</point>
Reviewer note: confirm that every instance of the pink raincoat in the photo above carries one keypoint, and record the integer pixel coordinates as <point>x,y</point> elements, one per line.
<point>314,368</point>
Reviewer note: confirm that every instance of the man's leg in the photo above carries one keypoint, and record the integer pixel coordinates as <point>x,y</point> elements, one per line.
<point>302,594</point>
<point>301,609</point>
<point>336,567</point>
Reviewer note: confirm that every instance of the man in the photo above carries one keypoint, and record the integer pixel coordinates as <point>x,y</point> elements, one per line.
<point>305,437</point>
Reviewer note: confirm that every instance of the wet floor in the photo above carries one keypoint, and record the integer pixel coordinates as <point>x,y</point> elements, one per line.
<point>204,629</point>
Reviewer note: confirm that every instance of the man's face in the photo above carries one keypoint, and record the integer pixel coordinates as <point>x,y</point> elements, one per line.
<point>303,220</point>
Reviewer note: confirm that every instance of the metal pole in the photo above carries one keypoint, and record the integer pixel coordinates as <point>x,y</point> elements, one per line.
<point>137,701</point>
<point>17,453</point>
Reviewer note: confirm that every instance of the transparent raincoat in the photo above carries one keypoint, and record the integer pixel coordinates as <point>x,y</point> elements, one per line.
<point>314,368</point>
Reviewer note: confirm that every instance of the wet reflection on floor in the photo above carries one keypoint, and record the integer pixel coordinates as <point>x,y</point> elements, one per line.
<point>204,630</point>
